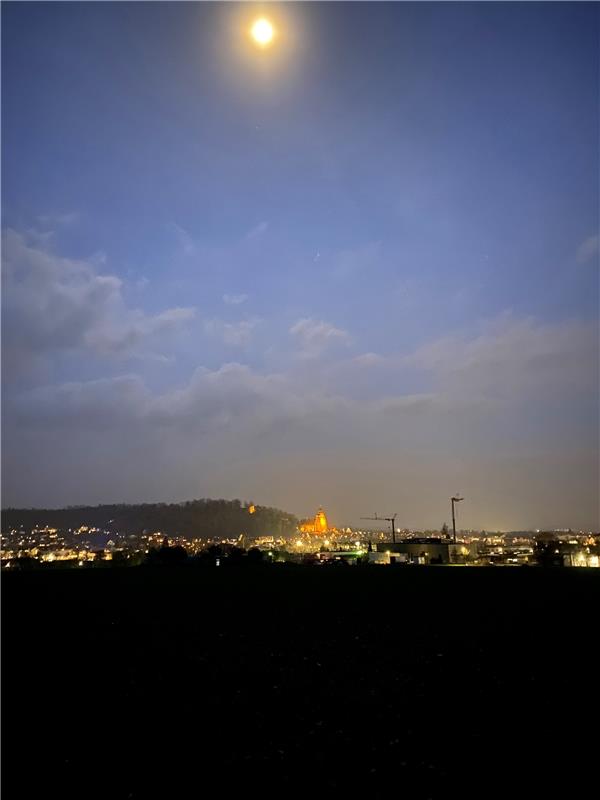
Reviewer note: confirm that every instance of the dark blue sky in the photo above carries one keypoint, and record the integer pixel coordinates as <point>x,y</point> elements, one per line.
<point>359,268</point>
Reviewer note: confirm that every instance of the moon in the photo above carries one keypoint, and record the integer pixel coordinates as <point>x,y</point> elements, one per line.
<point>262,32</point>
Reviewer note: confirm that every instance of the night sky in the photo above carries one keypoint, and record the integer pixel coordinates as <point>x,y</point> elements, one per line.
<point>358,268</point>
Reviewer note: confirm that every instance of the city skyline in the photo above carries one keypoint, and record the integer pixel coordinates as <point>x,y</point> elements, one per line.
<point>357,269</point>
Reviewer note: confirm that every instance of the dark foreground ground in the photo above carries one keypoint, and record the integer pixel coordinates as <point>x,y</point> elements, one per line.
<point>281,681</point>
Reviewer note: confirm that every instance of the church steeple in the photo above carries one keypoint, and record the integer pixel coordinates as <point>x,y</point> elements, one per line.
<point>321,525</point>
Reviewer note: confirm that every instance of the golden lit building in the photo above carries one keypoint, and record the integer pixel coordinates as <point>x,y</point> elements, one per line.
<point>317,525</point>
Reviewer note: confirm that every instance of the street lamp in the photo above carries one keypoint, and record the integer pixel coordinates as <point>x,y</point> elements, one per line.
<point>454,500</point>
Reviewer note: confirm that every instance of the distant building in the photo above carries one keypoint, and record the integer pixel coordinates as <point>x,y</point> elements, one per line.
<point>345,556</point>
<point>553,552</point>
<point>316,525</point>
<point>387,557</point>
<point>429,551</point>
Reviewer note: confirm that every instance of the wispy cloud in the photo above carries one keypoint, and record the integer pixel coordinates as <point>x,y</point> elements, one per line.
<point>315,336</point>
<point>515,360</point>
<point>53,304</point>
<point>257,231</point>
<point>234,334</point>
<point>587,249</point>
<point>58,220</point>
<point>234,299</point>
<point>42,238</point>
<point>349,262</point>
<point>99,258</point>
<point>369,360</point>
<point>184,238</point>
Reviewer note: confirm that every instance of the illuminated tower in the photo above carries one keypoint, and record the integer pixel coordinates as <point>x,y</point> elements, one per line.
<point>316,525</point>
<point>321,525</point>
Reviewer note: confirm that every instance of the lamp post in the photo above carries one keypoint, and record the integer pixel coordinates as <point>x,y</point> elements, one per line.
<point>454,500</point>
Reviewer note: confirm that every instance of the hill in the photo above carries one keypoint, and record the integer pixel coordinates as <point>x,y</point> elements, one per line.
<point>192,519</point>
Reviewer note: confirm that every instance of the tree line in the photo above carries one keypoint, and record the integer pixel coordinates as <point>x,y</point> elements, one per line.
<point>192,519</point>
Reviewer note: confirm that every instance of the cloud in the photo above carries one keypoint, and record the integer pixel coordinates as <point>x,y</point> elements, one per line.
<point>235,334</point>
<point>587,249</point>
<point>514,358</point>
<point>108,403</point>
<point>184,239</point>
<point>234,299</point>
<point>233,397</point>
<point>41,238</point>
<point>481,373</point>
<point>400,404</point>
<point>98,259</point>
<point>349,262</point>
<point>125,336</point>
<point>369,360</point>
<point>59,220</point>
<point>513,410</point>
<point>257,231</point>
<point>52,305</point>
<point>315,336</point>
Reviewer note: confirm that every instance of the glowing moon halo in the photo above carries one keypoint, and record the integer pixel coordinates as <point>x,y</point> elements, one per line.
<point>262,32</point>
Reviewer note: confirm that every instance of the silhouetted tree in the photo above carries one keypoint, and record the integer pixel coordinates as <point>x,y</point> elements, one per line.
<point>25,562</point>
<point>197,518</point>
<point>164,556</point>
<point>255,556</point>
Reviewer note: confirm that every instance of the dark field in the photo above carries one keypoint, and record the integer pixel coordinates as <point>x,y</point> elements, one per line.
<point>278,680</point>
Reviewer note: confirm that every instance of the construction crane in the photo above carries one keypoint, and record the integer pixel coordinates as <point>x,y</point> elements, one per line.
<point>453,500</point>
<point>386,519</point>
